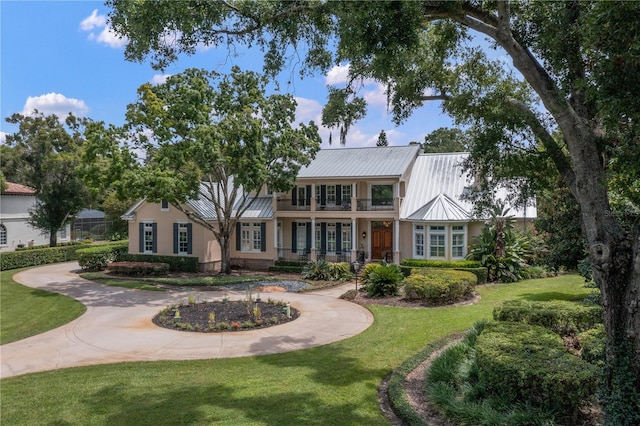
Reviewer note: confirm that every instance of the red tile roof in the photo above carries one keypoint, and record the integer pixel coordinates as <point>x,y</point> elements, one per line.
<point>17,189</point>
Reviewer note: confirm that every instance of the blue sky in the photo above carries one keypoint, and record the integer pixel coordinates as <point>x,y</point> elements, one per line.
<point>60,57</point>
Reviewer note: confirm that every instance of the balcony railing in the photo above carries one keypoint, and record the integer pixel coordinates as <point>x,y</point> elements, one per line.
<point>287,205</point>
<point>345,206</point>
<point>301,255</point>
<point>334,257</point>
<point>376,204</point>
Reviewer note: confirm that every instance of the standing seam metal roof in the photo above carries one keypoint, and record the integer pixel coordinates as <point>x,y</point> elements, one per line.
<point>389,161</point>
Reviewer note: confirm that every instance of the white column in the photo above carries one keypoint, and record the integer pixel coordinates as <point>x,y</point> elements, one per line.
<point>314,254</point>
<point>396,241</point>
<point>354,241</point>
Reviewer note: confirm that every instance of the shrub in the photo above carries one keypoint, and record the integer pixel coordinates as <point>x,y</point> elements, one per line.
<point>439,286</point>
<point>286,269</point>
<point>529,364</point>
<point>37,257</point>
<point>139,268</point>
<point>176,263</point>
<point>481,273</point>
<point>592,345</point>
<point>98,258</point>
<point>456,264</point>
<point>326,271</point>
<point>382,280</point>
<point>562,317</point>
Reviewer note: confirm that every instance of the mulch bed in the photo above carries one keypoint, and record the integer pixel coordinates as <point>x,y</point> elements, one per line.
<point>229,316</point>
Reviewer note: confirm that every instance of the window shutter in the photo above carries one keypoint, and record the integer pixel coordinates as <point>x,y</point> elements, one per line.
<point>308,237</point>
<point>323,195</point>
<point>141,237</point>
<point>154,230</point>
<point>175,238</point>
<point>338,195</point>
<point>189,238</point>
<point>323,237</point>
<point>263,236</point>
<point>238,236</point>
<point>308,194</point>
<point>294,237</point>
<point>294,196</point>
<point>338,238</point>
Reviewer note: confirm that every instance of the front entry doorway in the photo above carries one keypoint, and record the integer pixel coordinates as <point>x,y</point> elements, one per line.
<point>382,240</point>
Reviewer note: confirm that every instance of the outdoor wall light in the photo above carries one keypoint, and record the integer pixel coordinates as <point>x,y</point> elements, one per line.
<point>364,234</point>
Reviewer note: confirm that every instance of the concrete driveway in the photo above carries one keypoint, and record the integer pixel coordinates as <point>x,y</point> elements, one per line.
<point>117,326</point>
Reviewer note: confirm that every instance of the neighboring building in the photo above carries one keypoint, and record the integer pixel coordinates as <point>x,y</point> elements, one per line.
<point>15,231</point>
<point>349,204</point>
<point>89,223</point>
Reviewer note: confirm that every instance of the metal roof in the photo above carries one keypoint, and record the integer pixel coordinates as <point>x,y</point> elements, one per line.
<point>261,208</point>
<point>434,175</point>
<point>383,161</point>
<point>441,208</point>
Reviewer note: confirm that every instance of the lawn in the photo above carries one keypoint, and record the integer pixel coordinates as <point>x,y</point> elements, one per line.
<point>334,384</point>
<point>26,311</point>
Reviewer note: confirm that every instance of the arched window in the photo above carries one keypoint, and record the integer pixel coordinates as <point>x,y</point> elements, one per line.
<point>3,235</point>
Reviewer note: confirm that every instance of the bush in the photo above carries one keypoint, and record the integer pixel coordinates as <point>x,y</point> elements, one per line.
<point>481,273</point>
<point>456,264</point>
<point>382,280</point>
<point>176,263</point>
<point>562,317</point>
<point>37,257</point>
<point>286,269</point>
<point>592,343</point>
<point>326,271</point>
<point>529,364</point>
<point>98,258</point>
<point>439,286</point>
<point>62,244</point>
<point>139,268</point>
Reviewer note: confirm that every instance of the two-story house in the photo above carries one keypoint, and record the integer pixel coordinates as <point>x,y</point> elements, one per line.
<point>349,204</point>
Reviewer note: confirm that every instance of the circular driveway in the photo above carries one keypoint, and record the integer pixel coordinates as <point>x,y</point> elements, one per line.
<point>117,326</point>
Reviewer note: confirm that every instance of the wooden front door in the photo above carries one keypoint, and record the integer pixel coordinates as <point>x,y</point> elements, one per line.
<point>381,243</point>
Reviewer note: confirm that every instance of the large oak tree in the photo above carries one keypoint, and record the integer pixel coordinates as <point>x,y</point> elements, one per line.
<point>572,71</point>
<point>214,137</point>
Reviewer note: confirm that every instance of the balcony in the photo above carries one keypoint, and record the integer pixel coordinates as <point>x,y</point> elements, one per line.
<point>376,204</point>
<point>286,205</point>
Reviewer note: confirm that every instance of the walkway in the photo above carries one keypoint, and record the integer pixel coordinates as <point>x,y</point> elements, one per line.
<point>117,326</point>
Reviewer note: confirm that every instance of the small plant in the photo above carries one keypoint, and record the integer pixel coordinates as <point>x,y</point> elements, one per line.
<point>223,325</point>
<point>257,312</point>
<point>383,280</point>
<point>192,299</point>
<point>235,325</point>
<point>247,324</point>
<point>176,316</point>
<point>212,317</point>
<point>225,298</point>
<point>273,320</point>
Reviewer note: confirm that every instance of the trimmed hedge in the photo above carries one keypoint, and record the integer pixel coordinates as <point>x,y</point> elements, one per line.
<point>138,268</point>
<point>62,244</point>
<point>529,364</point>
<point>481,273</point>
<point>439,286</point>
<point>287,266</point>
<point>38,257</point>
<point>176,263</point>
<point>455,264</point>
<point>562,317</point>
<point>97,258</point>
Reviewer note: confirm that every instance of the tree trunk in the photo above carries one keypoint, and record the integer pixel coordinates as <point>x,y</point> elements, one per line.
<point>615,260</point>
<point>53,238</point>
<point>225,252</point>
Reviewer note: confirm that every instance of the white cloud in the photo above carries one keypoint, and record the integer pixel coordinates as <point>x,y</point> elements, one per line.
<point>338,74</point>
<point>104,34</point>
<point>376,96</point>
<point>159,79</point>
<point>93,21</point>
<point>3,138</point>
<point>55,103</point>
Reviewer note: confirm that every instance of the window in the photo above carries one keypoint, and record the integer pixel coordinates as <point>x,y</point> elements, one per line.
<point>331,237</point>
<point>251,239</point>
<point>418,241</point>
<point>183,238</point>
<point>457,241</point>
<point>3,235</point>
<point>437,241</point>
<point>382,195</point>
<point>148,237</point>
<point>302,196</point>
<point>164,205</point>
<point>331,194</point>
<point>62,233</point>
<point>346,194</point>
<point>301,235</point>
<point>318,237</point>
<point>346,237</point>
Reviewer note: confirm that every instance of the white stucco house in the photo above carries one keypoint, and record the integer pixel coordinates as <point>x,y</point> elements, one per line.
<point>15,231</point>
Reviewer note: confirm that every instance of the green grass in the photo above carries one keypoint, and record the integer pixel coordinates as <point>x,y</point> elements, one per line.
<point>334,384</point>
<point>106,279</point>
<point>26,311</point>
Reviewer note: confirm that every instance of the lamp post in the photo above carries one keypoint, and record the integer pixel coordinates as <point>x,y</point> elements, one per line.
<point>356,268</point>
